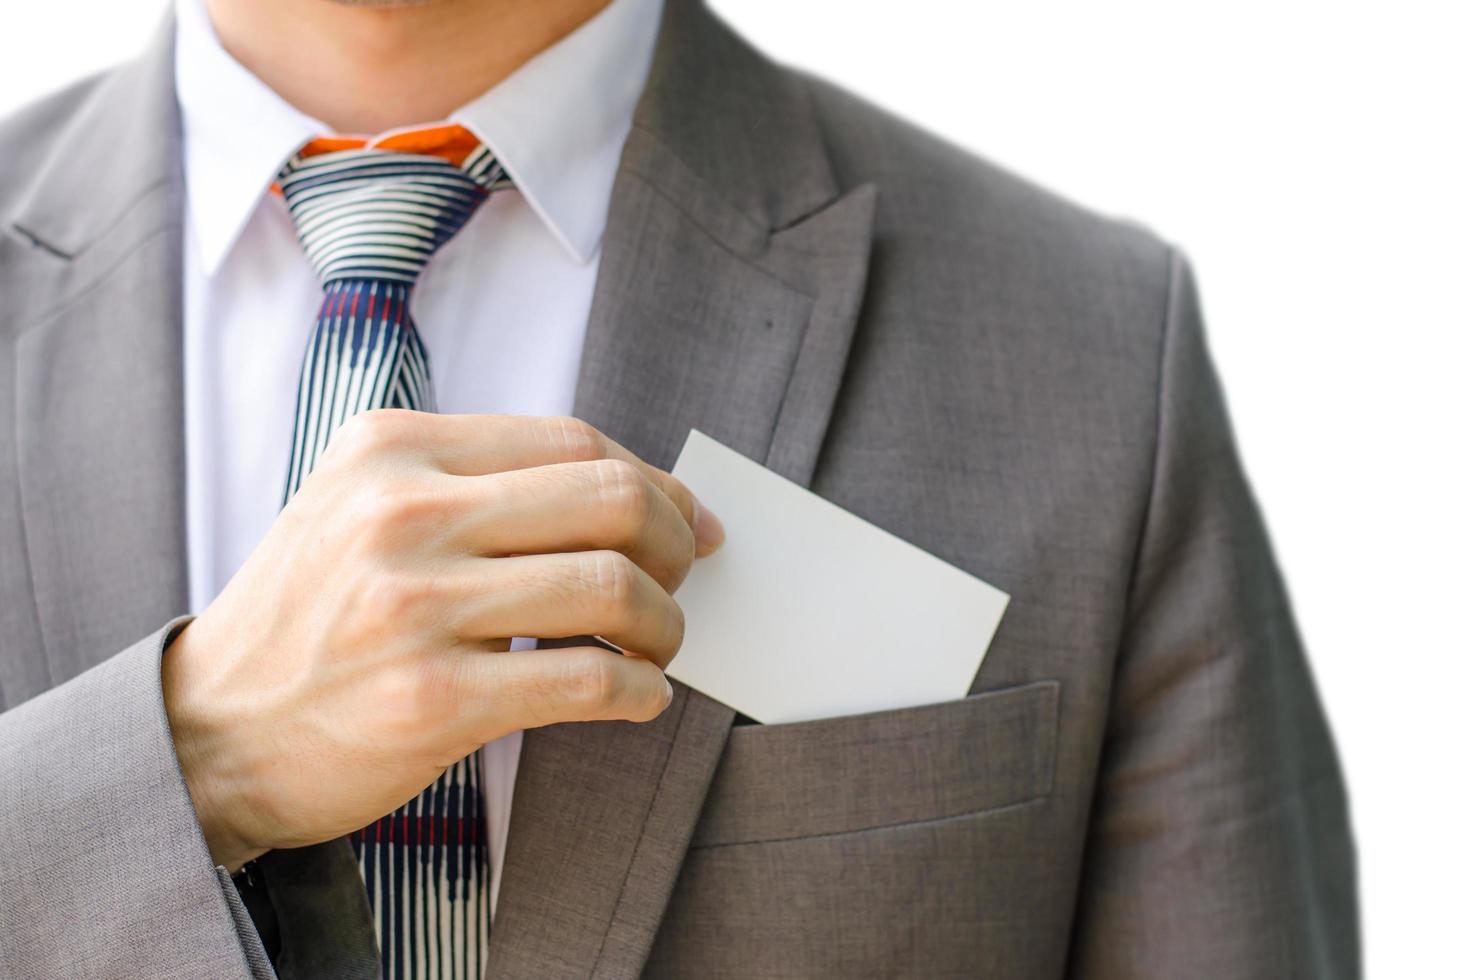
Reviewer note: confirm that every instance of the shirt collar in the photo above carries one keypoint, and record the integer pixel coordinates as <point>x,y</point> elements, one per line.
<point>557,125</point>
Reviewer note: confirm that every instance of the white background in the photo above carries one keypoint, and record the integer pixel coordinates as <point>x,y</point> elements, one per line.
<point>1318,160</point>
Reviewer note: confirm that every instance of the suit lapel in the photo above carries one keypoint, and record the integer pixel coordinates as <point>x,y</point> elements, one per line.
<point>731,277</point>
<point>98,362</point>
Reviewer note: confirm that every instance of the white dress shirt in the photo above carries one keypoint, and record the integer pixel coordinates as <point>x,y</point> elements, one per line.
<point>502,307</point>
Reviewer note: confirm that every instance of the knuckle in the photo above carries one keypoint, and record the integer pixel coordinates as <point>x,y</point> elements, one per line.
<point>388,514</point>
<point>593,682</point>
<point>623,494</point>
<point>410,697</point>
<point>676,491</point>
<point>375,432</point>
<point>396,600</point>
<point>614,583</point>
<point>576,439</point>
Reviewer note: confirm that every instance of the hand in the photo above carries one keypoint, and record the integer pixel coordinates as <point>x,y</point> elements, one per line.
<point>363,647</point>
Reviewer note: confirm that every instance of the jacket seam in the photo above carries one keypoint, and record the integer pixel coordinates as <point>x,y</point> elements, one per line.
<point>20,500</point>
<point>1173,279</point>
<point>641,838</point>
<point>897,825</point>
<point>1092,801</point>
<point>48,316</point>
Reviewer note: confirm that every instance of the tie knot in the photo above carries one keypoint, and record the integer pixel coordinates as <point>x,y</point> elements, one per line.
<point>372,212</point>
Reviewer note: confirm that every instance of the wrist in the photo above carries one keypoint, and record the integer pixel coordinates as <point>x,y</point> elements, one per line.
<point>196,731</point>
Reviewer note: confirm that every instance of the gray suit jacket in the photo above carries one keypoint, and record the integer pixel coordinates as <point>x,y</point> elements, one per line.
<point>1140,785</point>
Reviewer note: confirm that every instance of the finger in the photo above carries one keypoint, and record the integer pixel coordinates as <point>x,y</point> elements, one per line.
<point>503,692</point>
<point>708,532</point>
<point>585,593</point>
<point>603,504</point>
<point>476,445</point>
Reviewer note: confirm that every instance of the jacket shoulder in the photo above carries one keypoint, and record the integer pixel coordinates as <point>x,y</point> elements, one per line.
<point>959,211</point>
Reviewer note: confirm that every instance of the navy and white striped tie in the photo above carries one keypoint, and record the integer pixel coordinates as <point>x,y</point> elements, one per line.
<point>369,220</point>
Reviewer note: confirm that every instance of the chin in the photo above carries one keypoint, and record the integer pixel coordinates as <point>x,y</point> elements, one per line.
<point>382,3</point>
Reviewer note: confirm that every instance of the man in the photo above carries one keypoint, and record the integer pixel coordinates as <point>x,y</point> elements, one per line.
<point>512,212</point>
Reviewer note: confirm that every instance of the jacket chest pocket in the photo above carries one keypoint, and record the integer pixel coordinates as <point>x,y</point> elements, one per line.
<point>884,769</point>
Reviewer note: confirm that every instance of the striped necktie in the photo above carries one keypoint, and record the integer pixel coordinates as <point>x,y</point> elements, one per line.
<point>369,219</point>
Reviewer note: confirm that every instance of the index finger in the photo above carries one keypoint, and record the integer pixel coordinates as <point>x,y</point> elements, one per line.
<point>476,445</point>
<point>709,533</point>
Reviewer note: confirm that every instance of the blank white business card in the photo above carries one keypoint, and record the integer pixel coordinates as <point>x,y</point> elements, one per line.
<point>810,612</point>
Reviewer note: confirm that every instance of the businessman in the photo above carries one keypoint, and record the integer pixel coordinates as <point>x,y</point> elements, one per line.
<point>344,350</point>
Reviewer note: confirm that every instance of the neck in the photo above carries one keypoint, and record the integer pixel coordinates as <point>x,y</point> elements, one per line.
<point>365,66</point>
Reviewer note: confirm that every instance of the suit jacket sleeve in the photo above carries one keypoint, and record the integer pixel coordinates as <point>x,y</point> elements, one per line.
<point>1219,843</point>
<point>104,871</point>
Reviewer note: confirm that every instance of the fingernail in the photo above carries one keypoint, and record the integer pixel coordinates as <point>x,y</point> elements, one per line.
<point>709,533</point>
<point>669,685</point>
